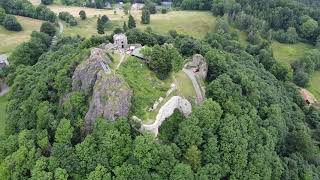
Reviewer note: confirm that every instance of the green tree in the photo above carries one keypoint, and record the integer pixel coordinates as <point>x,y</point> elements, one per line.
<point>46,2</point>
<point>60,174</point>
<point>182,171</point>
<point>193,157</point>
<point>163,59</point>
<point>100,26</point>
<point>125,27</point>
<point>82,15</point>
<point>48,28</point>
<point>10,23</point>
<point>2,15</point>
<point>64,132</point>
<point>131,22</point>
<point>99,173</point>
<point>309,27</point>
<point>145,17</point>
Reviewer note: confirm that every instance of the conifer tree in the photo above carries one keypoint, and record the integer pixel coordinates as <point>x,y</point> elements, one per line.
<point>131,22</point>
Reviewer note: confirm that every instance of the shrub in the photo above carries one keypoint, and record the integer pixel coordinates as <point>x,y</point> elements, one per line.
<point>82,15</point>
<point>164,11</point>
<point>46,2</point>
<point>10,22</point>
<point>48,28</point>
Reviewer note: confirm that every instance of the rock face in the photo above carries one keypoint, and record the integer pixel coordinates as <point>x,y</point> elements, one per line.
<point>200,66</point>
<point>176,102</point>
<point>110,94</point>
<point>85,74</point>
<point>111,99</point>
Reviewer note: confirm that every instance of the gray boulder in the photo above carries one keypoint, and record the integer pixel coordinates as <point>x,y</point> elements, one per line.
<point>111,99</point>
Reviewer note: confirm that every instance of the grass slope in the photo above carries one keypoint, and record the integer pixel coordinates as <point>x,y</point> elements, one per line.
<point>3,104</point>
<point>287,53</point>
<point>11,39</point>
<point>147,88</point>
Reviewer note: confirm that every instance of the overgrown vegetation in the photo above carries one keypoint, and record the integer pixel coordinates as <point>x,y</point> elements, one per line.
<point>147,88</point>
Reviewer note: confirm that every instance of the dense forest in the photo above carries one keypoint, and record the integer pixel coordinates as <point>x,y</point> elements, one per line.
<point>252,125</point>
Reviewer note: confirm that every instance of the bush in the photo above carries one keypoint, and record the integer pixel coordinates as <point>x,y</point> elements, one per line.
<point>66,16</point>
<point>164,11</point>
<point>48,28</point>
<point>10,23</point>
<point>2,15</point>
<point>46,2</point>
<point>82,15</point>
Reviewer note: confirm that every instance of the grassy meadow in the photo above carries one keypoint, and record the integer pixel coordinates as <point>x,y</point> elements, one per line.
<point>11,39</point>
<point>287,53</point>
<point>194,23</point>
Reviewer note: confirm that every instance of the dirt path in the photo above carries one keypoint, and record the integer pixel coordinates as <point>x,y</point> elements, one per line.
<point>60,26</point>
<point>122,57</point>
<point>196,85</point>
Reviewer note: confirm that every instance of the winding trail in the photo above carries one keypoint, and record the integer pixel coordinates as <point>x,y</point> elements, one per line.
<point>195,83</point>
<point>60,26</point>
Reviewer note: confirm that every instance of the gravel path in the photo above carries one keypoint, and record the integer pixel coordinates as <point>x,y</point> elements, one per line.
<point>196,85</point>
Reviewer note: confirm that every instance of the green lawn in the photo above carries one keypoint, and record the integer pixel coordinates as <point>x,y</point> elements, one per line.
<point>3,104</point>
<point>11,39</point>
<point>194,23</point>
<point>288,53</point>
<point>314,87</point>
<point>147,88</point>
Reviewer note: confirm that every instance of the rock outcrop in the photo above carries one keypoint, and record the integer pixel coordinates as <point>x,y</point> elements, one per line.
<point>200,66</point>
<point>176,102</point>
<point>85,74</point>
<point>111,99</point>
<point>110,94</point>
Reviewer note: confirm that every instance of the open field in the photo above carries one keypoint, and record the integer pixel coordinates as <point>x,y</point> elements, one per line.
<point>194,23</point>
<point>11,39</point>
<point>90,12</point>
<point>287,53</point>
<point>87,28</point>
<point>3,104</point>
<point>314,87</point>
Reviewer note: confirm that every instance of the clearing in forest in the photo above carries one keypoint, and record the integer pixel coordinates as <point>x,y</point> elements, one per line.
<point>288,53</point>
<point>11,39</point>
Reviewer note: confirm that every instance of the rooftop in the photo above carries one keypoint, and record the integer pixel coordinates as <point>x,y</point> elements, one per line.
<point>3,58</point>
<point>119,36</point>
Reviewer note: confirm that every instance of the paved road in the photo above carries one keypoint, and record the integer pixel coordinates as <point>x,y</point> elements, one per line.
<point>196,85</point>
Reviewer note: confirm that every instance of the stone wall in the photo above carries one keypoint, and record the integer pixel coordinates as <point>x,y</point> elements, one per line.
<point>176,102</point>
